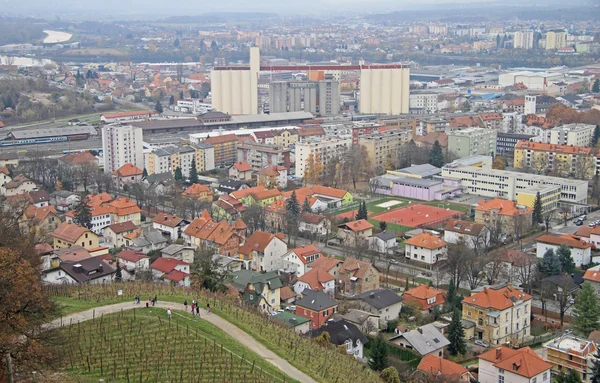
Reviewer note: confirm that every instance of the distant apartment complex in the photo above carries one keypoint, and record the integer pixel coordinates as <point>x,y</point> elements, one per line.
<point>523,40</point>
<point>326,147</point>
<point>567,160</point>
<point>472,141</point>
<point>122,144</point>
<point>263,155</point>
<point>168,159</point>
<point>556,39</point>
<point>572,134</point>
<point>383,147</point>
<point>225,148</point>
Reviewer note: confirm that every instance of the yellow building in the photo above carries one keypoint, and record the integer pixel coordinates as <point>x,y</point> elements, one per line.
<point>382,148</point>
<point>225,148</point>
<point>70,234</point>
<point>556,39</point>
<point>549,194</point>
<point>500,314</point>
<point>285,137</point>
<point>569,352</point>
<point>204,157</point>
<point>563,160</point>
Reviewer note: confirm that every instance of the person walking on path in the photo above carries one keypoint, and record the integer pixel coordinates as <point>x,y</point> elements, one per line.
<point>193,312</point>
<point>169,313</point>
<point>147,303</point>
<point>185,304</point>
<point>197,310</point>
<point>155,300</point>
<point>208,308</point>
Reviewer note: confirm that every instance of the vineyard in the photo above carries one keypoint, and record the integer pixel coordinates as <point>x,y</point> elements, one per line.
<point>144,346</point>
<point>322,364</point>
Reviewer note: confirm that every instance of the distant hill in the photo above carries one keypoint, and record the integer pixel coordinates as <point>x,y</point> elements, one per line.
<point>219,17</point>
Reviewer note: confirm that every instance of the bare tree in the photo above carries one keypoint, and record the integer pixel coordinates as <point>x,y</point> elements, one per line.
<point>524,269</point>
<point>86,173</point>
<point>496,228</point>
<point>475,269</point>
<point>563,291</point>
<point>565,214</point>
<point>583,167</point>
<point>357,164</point>
<point>495,267</point>
<point>254,218</point>
<point>548,217</point>
<point>455,264</point>
<point>374,184</point>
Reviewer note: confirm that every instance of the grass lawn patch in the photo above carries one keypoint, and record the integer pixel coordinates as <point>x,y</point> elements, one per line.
<point>392,226</point>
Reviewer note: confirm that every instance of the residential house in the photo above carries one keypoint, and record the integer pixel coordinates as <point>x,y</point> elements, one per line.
<point>161,183</point>
<point>17,185</point>
<point>263,251</point>
<point>426,247</point>
<point>500,313</point>
<point>132,261</point>
<point>38,198</point>
<point>344,333</point>
<point>127,174</point>
<point>199,192</point>
<point>383,302</point>
<point>240,171</point>
<point>180,252</point>
<point>123,209</point>
<point>224,238</point>
<point>367,322</point>
<point>227,264</point>
<point>275,215</point>
<point>171,270</point>
<point>315,280</point>
<point>261,290</point>
<point>506,365</point>
<point>274,176</point>
<point>316,306</point>
<point>91,271</point>
<point>68,234</point>
<point>509,217</point>
<point>64,200</point>
<point>51,258</point>
<point>315,224</point>
<point>300,258</point>
<point>356,277</point>
<point>473,235</point>
<point>227,208</point>
<point>230,186</point>
<point>384,242</point>
<point>424,340</point>
<point>114,235</point>
<point>264,198</point>
<point>42,219</point>
<point>330,264</point>
<point>305,194</point>
<point>433,368</point>
<point>263,155</point>
<point>568,352</point>
<point>170,224</point>
<point>145,239</point>
<point>355,233</point>
<point>245,195</point>
<point>288,296</point>
<point>79,158</point>
<point>425,297</point>
<point>592,276</point>
<point>299,324</point>
<point>581,251</point>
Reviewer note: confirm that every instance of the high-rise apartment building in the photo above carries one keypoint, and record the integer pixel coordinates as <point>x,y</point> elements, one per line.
<point>523,40</point>
<point>329,96</point>
<point>556,39</point>
<point>382,148</point>
<point>326,148</point>
<point>572,134</point>
<point>122,144</point>
<point>472,141</point>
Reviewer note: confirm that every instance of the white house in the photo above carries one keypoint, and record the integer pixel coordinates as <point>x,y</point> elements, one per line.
<point>183,253</point>
<point>384,242</point>
<point>385,303</point>
<point>64,200</point>
<point>581,252</point>
<point>300,258</point>
<point>426,248</point>
<point>171,269</point>
<point>133,261</point>
<point>264,251</point>
<point>314,224</point>
<point>18,185</point>
<point>506,365</point>
<point>91,270</point>
<point>240,171</point>
<point>170,224</point>
<point>347,334</point>
<point>473,235</point>
<point>114,234</point>
<point>315,280</point>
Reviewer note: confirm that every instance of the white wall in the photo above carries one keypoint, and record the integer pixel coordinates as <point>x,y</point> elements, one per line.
<point>423,255</point>
<point>579,256</point>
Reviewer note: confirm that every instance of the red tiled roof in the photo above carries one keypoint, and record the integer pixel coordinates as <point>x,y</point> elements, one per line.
<point>426,240</point>
<point>592,275</point>
<point>504,207</point>
<point>315,278</point>
<point>356,267</point>
<point>421,294</point>
<point>175,275</point>
<point>325,263</point>
<point>221,139</point>
<point>258,241</point>
<point>131,256</point>
<point>566,239</point>
<point>70,232</point>
<point>128,170</point>
<point>166,265</point>
<point>524,361</point>
<point>356,226</point>
<point>434,365</point>
<point>242,166</point>
<point>560,149</point>
<point>498,299</point>
<point>122,227</point>
<point>167,219</point>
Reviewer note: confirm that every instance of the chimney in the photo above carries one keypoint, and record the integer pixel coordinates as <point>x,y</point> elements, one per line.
<point>100,268</point>
<point>498,352</point>
<point>420,330</point>
<point>372,295</point>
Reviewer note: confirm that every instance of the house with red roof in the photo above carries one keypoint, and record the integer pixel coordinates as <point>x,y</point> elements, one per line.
<point>299,259</point>
<point>433,368</point>
<point>199,192</point>
<point>132,261</point>
<point>224,238</point>
<point>592,276</point>
<point>425,297</point>
<point>506,365</point>
<point>581,251</point>
<point>273,176</point>
<point>240,171</point>
<point>227,208</point>
<point>500,314</point>
<point>171,270</point>
<point>263,251</point>
<point>426,247</point>
<point>315,280</point>
<point>127,174</point>
<point>170,224</point>
<point>315,224</point>
<point>114,234</point>
<point>356,277</point>
<point>44,218</point>
<point>355,233</point>
<point>330,264</point>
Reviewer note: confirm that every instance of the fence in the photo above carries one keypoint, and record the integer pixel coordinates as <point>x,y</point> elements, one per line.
<point>408,357</point>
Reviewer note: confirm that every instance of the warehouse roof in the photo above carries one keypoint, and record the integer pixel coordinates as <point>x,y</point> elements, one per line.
<point>52,132</point>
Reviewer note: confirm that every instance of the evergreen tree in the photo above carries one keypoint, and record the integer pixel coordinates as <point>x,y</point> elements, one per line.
<point>379,355</point>
<point>596,136</point>
<point>596,86</point>
<point>181,95</point>
<point>306,206</point>
<point>596,367</point>
<point>550,264</point>
<point>390,375</point>
<point>171,100</point>
<point>178,174</point>
<point>193,172</point>
<point>158,107</point>
<point>144,174</point>
<point>292,206</point>
<point>382,225</point>
<point>538,215</point>
<point>563,253</point>
<point>586,310</point>
<point>456,335</point>
<point>451,296</point>
<point>118,273</point>
<point>436,156</point>
<point>83,213</point>
<point>362,211</point>
<point>569,377</point>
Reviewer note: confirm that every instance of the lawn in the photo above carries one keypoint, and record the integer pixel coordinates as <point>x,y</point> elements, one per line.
<point>143,345</point>
<point>392,226</point>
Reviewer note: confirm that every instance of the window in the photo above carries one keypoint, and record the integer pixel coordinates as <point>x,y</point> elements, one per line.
<point>500,379</point>
<point>534,380</point>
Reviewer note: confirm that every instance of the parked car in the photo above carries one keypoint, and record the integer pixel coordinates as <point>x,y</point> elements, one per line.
<point>578,223</point>
<point>291,308</point>
<point>481,343</point>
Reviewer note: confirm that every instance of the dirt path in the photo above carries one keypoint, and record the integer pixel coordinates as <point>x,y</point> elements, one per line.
<point>221,323</point>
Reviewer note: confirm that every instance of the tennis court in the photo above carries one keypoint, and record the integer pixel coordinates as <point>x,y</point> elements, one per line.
<point>417,216</point>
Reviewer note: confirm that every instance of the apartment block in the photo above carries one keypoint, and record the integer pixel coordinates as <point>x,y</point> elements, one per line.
<point>472,141</point>
<point>205,157</point>
<point>556,39</point>
<point>260,156</point>
<point>383,147</point>
<point>225,148</point>
<point>326,147</point>
<point>423,102</point>
<point>565,160</point>
<point>523,40</point>
<point>122,144</point>
<point>500,314</point>
<point>572,134</point>
<point>569,352</point>
<point>549,195</point>
<point>506,142</point>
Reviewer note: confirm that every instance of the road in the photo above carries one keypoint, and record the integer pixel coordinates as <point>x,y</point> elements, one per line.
<point>221,323</point>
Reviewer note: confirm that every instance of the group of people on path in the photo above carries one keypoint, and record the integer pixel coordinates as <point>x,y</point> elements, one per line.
<point>150,301</point>
<point>195,306</point>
